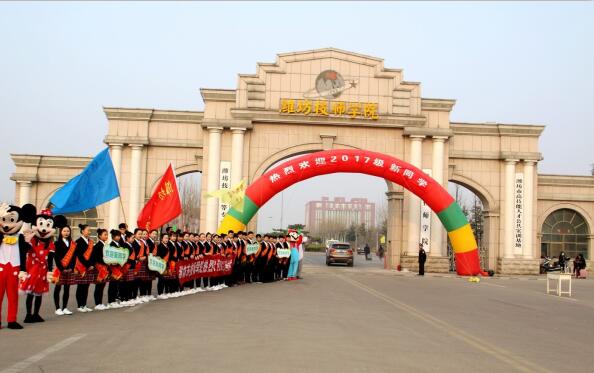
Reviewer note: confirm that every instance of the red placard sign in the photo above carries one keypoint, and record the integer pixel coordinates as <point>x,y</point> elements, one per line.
<point>208,266</point>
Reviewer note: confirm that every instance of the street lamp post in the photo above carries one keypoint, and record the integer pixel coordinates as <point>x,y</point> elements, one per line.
<point>282,209</point>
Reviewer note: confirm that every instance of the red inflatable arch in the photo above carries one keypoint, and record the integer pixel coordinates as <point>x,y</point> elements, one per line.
<point>370,163</point>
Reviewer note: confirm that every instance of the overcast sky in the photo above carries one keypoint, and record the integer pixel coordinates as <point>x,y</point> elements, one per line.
<point>502,62</point>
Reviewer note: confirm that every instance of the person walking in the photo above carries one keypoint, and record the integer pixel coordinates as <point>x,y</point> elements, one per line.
<point>563,261</point>
<point>422,260</point>
<point>579,263</point>
<point>367,251</point>
<point>380,252</point>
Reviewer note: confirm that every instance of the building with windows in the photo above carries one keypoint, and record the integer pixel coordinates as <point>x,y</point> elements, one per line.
<point>339,212</point>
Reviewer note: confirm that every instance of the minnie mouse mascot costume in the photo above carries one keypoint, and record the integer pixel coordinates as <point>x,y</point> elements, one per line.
<point>13,250</point>
<point>39,261</point>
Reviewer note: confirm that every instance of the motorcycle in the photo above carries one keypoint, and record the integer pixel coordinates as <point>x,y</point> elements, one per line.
<point>549,266</point>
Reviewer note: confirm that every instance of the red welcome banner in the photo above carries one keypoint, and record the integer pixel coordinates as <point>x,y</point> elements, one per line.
<point>208,266</point>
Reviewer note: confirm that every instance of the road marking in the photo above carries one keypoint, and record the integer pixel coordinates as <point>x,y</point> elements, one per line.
<point>489,284</point>
<point>18,367</point>
<point>498,353</point>
<point>554,296</point>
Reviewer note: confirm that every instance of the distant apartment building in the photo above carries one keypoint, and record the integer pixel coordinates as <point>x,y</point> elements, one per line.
<point>339,212</point>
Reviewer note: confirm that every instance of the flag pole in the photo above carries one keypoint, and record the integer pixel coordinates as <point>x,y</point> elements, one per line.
<point>123,210</point>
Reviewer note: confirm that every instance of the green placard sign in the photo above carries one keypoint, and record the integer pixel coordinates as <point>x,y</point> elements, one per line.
<point>156,264</point>
<point>115,255</point>
<point>252,248</point>
<point>283,253</point>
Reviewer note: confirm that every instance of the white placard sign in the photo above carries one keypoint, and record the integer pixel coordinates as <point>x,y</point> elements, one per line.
<point>224,183</point>
<point>283,253</point>
<point>156,264</point>
<point>425,222</point>
<point>518,212</point>
<point>252,248</point>
<point>115,255</point>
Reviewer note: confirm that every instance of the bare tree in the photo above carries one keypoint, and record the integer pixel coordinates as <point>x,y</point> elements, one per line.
<point>382,218</point>
<point>189,194</point>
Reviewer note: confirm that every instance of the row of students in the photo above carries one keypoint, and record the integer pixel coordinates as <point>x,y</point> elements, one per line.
<point>80,262</point>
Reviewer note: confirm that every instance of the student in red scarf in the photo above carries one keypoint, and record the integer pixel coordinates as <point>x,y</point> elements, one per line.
<point>101,268</point>
<point>163,252</point>
<point>63,276</point>
<point>84,268</point>
<point>116,273</point>
<point>127,283</point>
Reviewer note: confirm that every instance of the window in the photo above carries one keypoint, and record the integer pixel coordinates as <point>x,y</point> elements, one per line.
<point>564,230</point>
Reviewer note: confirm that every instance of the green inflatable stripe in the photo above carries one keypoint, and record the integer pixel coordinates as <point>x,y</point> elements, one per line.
<point>249,210</point>
<point>452,217</point>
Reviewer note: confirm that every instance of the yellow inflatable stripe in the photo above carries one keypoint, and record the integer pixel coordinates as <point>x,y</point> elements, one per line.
<point>230,223</point>
<point>462,239</point>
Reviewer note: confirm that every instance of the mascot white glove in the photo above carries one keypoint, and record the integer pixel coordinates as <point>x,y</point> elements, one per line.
<point>22,275</point>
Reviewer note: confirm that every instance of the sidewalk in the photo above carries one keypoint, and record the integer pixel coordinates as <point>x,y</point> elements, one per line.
<point>542,277</point>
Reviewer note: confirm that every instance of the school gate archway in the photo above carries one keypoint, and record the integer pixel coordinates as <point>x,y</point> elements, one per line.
<point>329,99</point>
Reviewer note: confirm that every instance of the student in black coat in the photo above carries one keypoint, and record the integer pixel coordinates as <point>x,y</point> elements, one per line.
<point>102,271</point>
<point>279,261</point>
<point>127,283</point>
<point>65,268</point>
<point>163,251</point>
<point>113,290</point>
<point>286,261</point>
<point>84,267</point>
<point>173,257</point>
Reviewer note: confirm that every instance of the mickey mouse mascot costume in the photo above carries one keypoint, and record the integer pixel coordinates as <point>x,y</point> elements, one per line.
<point>13,250</point>
<point>39,261</point>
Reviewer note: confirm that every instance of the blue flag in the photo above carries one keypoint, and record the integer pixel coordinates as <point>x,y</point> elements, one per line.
<point>97,184</point>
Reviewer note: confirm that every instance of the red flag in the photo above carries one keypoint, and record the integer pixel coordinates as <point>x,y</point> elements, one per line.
<point>164,204</point>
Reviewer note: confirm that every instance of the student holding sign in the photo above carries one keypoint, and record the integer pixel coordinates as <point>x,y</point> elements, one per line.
<point>127,284</point>
<point>102,270</point>
<point>84,268</point>
<point>259,265</point>
<point>163,280</point>
<point>141,274</point>
<point>252,248</point>
<point>146,282</point>
<point>115,270</point>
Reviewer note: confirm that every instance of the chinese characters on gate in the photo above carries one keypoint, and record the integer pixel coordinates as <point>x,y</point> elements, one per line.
<point>425,220</point>
<point>343,109</point>
<point>224,183</point>
<point>518,211</point>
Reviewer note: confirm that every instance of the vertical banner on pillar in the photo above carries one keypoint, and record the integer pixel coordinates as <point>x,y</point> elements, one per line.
<point>518,213</point>
<point>224,183</point>
<point>425,222</point>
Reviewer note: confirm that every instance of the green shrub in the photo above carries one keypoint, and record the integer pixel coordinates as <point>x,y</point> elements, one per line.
<point>315,248</point>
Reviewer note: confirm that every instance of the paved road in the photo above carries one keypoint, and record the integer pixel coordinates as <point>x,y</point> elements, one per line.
<point>337,319</point>
<point>319,259</point>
